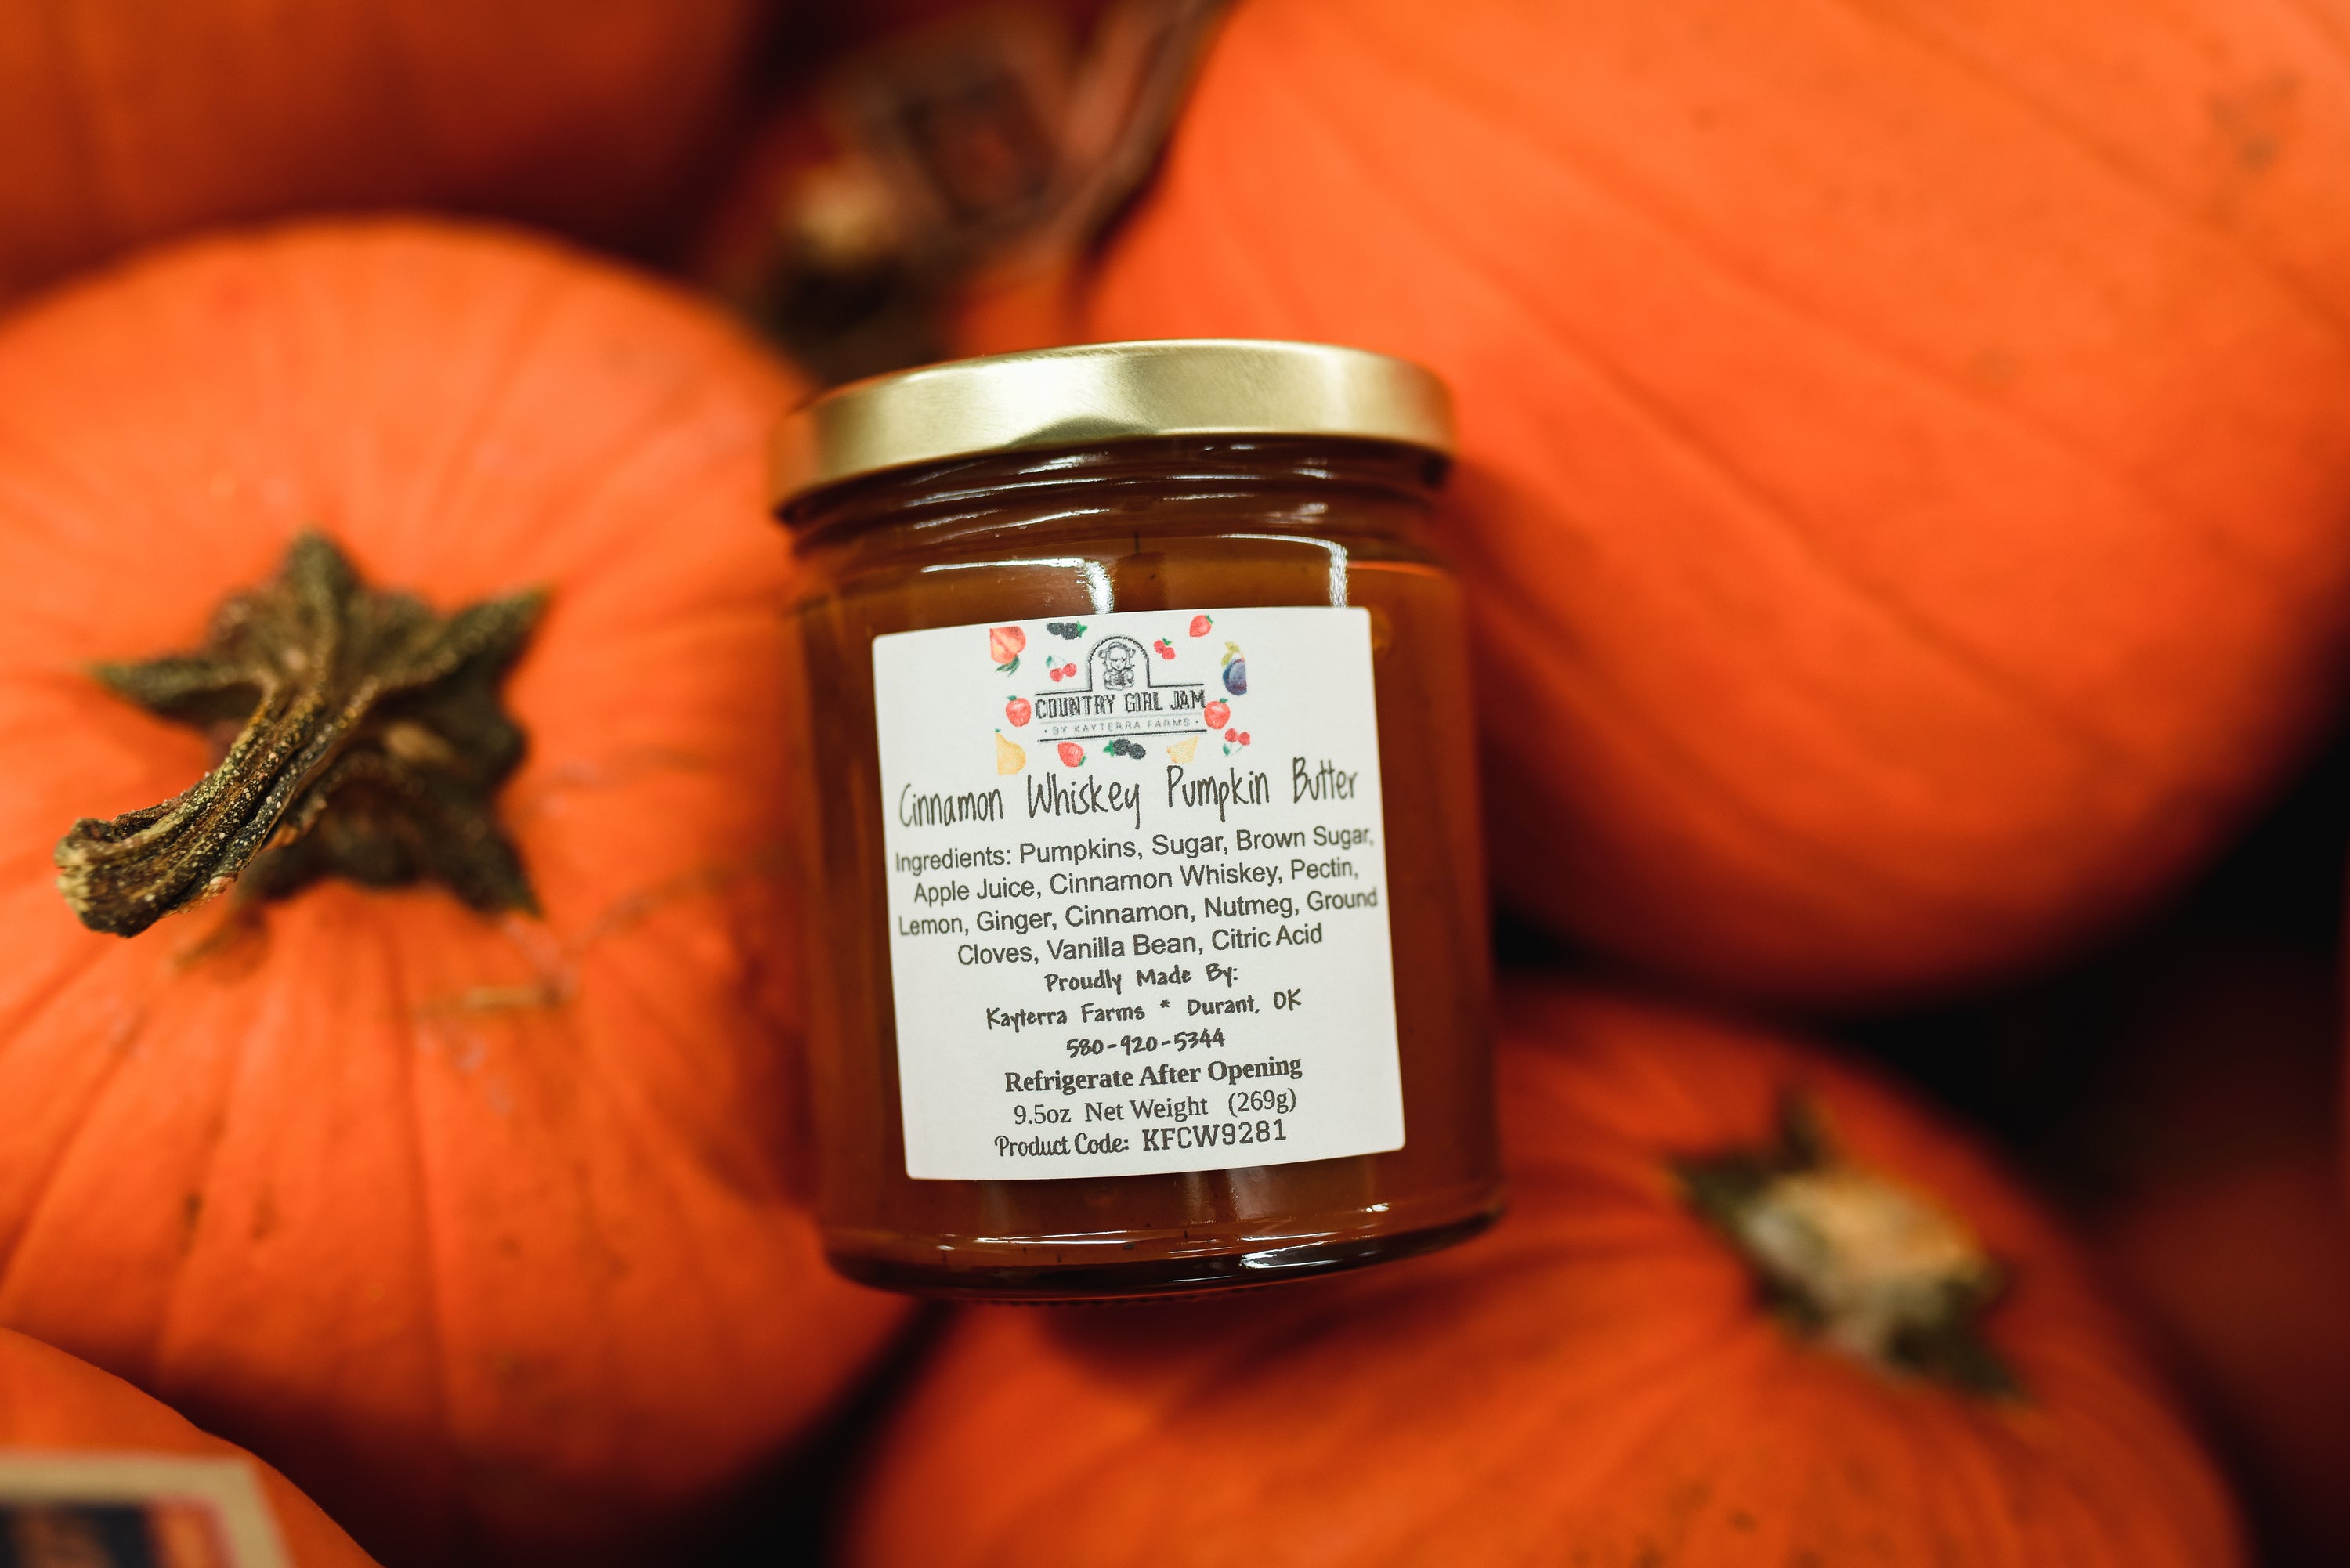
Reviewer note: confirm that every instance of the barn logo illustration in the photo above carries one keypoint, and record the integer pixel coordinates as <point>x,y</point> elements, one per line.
<point>1115,696</point>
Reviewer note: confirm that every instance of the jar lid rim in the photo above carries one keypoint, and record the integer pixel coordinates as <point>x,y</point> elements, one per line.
<point>1086,394</point>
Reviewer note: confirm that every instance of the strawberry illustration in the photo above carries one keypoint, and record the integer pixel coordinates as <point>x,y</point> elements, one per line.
<point>1217,714</point>
<point>1072,754</point>
<point>1200,625</point>
<point>1003,646</point>
<point>1017,711</point>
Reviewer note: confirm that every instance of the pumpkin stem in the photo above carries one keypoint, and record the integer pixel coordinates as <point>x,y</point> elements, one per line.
<point>1853,1259</point>
<point>367,744</point>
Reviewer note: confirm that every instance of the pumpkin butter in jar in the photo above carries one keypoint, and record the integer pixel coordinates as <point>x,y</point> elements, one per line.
<point>1144,892</point>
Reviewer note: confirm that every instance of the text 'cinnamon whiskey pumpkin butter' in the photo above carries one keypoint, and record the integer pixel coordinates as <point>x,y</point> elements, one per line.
<point>1147,907</point>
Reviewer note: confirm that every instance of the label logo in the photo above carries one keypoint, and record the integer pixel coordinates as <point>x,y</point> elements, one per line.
<point>1115,687</point>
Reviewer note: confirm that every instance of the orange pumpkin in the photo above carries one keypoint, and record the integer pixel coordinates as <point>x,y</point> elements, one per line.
<point>1694,1340</point>
<point>55,1407</point>
<point>1905,447</point>
<point>477,1222</point>
<point>122,121</point>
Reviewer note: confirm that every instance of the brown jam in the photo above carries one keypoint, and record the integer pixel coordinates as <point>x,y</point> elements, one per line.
<point>1147,918</point>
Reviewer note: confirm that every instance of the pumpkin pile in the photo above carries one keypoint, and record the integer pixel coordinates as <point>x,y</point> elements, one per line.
<point>1904,461</point>
<point>1904,508</point>
<point>1925,1377</point>
<point>467,1200</point>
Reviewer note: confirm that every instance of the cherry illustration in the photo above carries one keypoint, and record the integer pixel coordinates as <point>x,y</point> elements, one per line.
<point>1243,737</point>
<point>1056,674</point>
<point>1232,734</point>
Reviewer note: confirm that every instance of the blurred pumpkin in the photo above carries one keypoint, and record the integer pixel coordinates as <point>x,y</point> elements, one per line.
<point>58,1408</point>
<point>2217,1210</point>
<point>475,1219</point>
<point>1749,1306</point>
<point>1906,448</point>
<point>2245,1275</point>
<point>122,121</point>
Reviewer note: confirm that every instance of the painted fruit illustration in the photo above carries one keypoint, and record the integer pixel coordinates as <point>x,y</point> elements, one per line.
<point>1009,758</point>
<point>1235,670</point>
<point>1017,711</point>
<point>1072,753</point>
<point>1200,625</point>
<point>1003,646</point>
<point>1232,734</point>
<point>1056,673</point>
<point>1184,750</point>
<point>1217,714</point>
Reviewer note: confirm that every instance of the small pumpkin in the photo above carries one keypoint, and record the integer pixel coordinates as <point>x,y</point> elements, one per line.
<point>1905,447</point>
<point>1748,1306</point>
<point>121,121</point>
<point>55,1407</point>
<point>444,1157</point>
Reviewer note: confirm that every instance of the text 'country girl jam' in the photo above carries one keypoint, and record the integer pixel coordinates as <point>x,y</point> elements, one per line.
<point>1141,885</point>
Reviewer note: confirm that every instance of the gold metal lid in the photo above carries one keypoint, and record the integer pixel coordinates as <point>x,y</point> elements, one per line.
<point>1107,391</point>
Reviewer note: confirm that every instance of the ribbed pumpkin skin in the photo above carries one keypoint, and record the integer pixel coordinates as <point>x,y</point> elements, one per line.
<point>478,1226</point>
<point>1595,1383</point>
<point>52,1403</point>
<point>125,120</point>
<point>1907,446</point>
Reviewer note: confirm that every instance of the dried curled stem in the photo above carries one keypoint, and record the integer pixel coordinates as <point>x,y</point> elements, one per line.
<point>370,747</point>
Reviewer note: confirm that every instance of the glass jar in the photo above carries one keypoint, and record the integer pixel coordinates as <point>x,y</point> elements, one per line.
<point>1135,756</point>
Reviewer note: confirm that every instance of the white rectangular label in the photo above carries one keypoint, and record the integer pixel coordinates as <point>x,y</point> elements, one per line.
<point>1137,893</point>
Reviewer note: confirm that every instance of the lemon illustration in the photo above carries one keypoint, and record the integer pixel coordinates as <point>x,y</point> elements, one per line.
<point>1184,750</point>
<point>1009,758</point>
